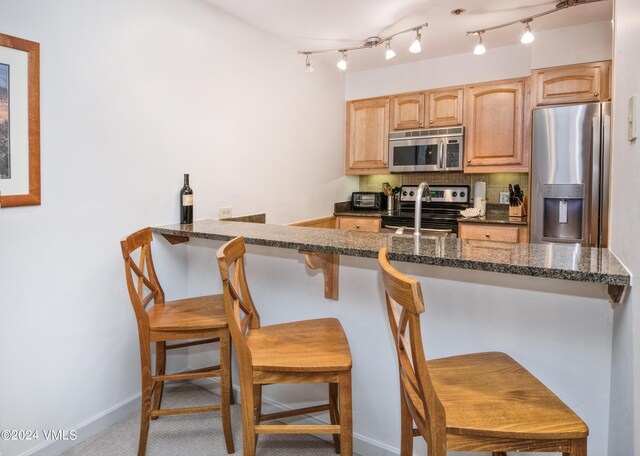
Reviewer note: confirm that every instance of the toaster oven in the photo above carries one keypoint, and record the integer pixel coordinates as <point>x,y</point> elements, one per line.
<point>374,201</point>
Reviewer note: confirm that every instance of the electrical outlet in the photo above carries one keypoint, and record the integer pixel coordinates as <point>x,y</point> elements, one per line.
<point>225,212</point>
<point>504,197</point>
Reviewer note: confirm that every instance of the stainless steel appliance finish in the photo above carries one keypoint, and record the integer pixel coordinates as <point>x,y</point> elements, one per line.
<point>437,149</point>
<point>438,217</point>
<point>570,174</point>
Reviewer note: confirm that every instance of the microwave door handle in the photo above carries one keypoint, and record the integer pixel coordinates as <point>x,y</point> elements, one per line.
<point>441,153</point>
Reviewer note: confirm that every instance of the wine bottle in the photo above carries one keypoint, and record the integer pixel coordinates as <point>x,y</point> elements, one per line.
<point>186,202</point>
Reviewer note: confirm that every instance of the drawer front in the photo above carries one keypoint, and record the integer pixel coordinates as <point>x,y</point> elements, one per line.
<point>359,224</point>
<point>488,232</point>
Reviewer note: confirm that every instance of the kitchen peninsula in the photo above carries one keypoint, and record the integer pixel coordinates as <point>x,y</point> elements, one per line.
<point>545,305</point>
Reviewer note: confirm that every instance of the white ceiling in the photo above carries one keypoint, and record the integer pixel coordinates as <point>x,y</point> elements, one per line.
<point>327,24</point>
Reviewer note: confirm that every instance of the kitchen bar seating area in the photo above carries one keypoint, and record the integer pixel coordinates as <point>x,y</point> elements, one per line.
<point>247,161</point>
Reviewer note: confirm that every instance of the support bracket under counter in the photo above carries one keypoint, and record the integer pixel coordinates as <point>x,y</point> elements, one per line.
<point>173,239</point>
<point>615,293</point>
<point>330,265</point>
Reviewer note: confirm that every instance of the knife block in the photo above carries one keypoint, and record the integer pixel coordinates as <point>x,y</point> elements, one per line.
<point>520,210</point>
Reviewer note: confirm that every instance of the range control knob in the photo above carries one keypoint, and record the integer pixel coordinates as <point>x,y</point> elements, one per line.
<point>462,194</point>
<point>411,193</point>
<point>404,193</point>
<point>454,194</point>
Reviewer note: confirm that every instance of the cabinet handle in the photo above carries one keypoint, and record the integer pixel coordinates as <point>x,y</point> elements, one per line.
<point>431,121</point>
<point>358,227</point>
<point>487,235</point>
<point>469,161</point>
<point>595,94</point>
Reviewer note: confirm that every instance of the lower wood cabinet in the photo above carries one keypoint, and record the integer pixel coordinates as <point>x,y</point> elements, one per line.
<point>493,232</point>
<point>359,224</point>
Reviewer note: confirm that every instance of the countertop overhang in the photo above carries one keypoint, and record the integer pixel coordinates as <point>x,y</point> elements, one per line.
<point>555,261</point>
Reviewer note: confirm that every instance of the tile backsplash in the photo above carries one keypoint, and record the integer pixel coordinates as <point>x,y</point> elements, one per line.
<point>496,182</point>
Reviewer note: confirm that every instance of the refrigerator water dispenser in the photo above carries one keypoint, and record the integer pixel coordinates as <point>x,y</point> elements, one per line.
<point>563,211</point>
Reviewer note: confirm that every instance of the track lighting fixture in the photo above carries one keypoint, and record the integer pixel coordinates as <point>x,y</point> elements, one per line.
<point>415,47</point>
<point>370,43</point>
<point>342,63</point>
<point>527,36</point>
<point>389,54</point>
<point>479,49</point>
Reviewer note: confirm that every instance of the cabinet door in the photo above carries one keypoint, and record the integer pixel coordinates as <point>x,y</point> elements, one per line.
<point>495,124</point>
<point>359,224</point>
<point>367,150</point>
<point>407,111</point>
<point>572,84</point>
<point>445,107</point>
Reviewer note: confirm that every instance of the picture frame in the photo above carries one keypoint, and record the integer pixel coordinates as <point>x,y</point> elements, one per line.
<point>19,122</point>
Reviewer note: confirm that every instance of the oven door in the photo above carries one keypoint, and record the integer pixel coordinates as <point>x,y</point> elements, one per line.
<point>424,154</point>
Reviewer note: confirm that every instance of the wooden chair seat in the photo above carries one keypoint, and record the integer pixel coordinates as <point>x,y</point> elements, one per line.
<point>302,346</point>
<point>490,394</point>
<point>199,313</point>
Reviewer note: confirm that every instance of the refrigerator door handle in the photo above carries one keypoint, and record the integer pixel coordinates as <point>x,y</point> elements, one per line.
<point>594,209</point>
<point>603,239</point>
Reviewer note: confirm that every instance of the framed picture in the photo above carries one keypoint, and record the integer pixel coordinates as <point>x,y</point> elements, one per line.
<point>19,122</point>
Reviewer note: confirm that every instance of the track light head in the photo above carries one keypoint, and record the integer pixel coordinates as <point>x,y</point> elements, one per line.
<point>415,47</point>
<point>389,54</point>
<point>308,66</point>
<point>527,36</point>
<point>342,63</point>
<point>479,49</point>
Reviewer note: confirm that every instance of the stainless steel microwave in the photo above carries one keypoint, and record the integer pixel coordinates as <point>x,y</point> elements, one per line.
<point>436,149</point>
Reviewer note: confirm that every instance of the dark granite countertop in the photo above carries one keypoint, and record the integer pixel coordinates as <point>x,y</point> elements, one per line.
<point>359,213</point>
<point>495,218</point>
<point>537,260</point>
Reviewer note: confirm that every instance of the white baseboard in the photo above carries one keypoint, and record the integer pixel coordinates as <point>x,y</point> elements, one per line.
<point>362,444</point>
<point>93,425</point>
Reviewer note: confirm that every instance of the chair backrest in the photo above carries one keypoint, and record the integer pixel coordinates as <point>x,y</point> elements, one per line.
<point>142,282</point>
<point>239,308</point>
<point>415,382</point>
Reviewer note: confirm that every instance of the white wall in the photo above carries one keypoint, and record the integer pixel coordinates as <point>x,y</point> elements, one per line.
<point>625,213</point>
<point>583,43</point>
<point>133,95</point>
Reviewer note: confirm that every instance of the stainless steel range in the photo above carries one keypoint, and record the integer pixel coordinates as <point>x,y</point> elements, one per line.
<point>441,213</point>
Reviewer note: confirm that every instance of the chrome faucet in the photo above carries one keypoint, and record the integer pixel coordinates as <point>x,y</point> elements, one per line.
<point>418,213</point>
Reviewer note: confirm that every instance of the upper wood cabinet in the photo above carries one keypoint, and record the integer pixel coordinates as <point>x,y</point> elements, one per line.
<point>497,115</point>
<point>572,84</point>
<point>367,148</point>
<point>407,111</point>
<point>445,107</point>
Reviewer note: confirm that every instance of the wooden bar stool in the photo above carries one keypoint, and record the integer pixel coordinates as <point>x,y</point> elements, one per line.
<point>476,402</point>
<point>311,351</point>
<point>201,318</point>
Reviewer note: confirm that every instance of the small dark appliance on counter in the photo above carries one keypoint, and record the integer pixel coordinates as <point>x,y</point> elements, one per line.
<point>372,201</point>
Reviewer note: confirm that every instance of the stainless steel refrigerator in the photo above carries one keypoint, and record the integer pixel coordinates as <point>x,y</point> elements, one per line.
<point>570,174</point>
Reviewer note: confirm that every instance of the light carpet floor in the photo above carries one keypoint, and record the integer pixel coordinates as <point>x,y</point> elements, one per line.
<point>193,435</point>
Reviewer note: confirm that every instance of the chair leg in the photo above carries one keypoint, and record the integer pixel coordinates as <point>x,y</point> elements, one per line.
<point>257,406</point>
<point>406,427</point>
<point>232,399</point>
<point>225,383</point>
<point>334,413</point>
<point>145,410</point>
<point>248,423</point>
<point>346,431</point>
<point>161,361</point>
